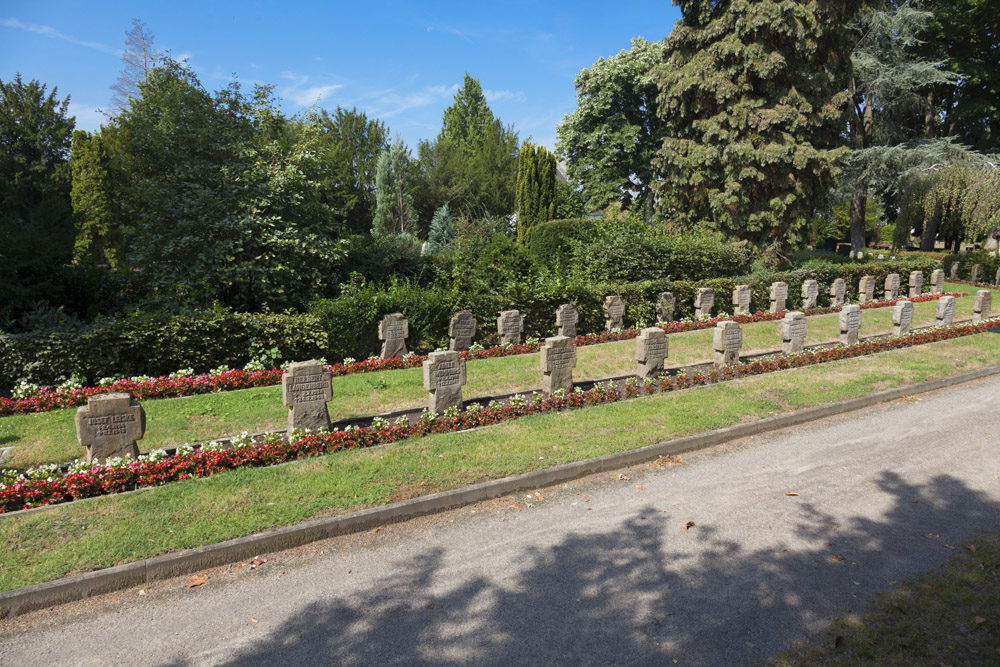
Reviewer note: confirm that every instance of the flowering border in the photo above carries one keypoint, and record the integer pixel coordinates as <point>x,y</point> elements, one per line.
<point>180,384</point>
<point>45,486</point>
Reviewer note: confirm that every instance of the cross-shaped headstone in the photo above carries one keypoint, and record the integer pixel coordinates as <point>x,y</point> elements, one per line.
<point>850,323</point>
<point>461,331</point>
<point>393,331</point>
<point>614,312</point>
<point>444,375</point>
<point>665,304</point>
<point>838,290</point>
<point>741,299</point>
<point>509,326</point>
<point>651,348</point>
<point>778,294</point>
<point>810,292</point>
<point>793,332</point>
<point>305,389</point>
<point>891,286</point>
<point>997,281</point>
<point>954,271</point>
<point>866,289</point>
<point>945,312</point>
<point>566,318</point>
<point>704,299</point>
<point>974,274</point>
<point>982,306</point>
<point>109,426</point>
<point>916,283</point>
<point>902,317</point>
<point>937,281</point>
<point>558,359</point>
<point>727,338</point>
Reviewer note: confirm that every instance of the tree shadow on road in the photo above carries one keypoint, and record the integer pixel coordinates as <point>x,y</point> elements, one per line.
<point>644,591</point>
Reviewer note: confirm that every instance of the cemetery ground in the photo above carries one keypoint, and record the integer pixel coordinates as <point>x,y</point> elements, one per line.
<point>41,438</point>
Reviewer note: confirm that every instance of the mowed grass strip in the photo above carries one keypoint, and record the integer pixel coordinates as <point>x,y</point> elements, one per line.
<point>110,530</point>
<point>51,437</point>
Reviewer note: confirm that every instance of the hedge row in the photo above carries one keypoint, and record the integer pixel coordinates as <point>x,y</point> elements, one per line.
<point>988,265</point>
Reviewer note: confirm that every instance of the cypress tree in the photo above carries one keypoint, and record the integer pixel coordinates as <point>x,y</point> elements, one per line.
<point>536,187</point>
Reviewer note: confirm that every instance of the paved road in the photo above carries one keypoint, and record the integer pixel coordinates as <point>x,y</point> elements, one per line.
<point>601,571</point>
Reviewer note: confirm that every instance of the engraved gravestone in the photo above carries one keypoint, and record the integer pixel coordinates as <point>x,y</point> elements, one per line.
<point>902,316</point>
<point>937,281</point>
<point>566,318</point>
<point>997,281</point>
<point>558,360</point>
<point>974,274</point>
<point>850,323</point>
<point>954,271</point>
<point>838,290</point>
<point>741,299</point>
<point>109,426</point>
<point>704,299</point>
<point>444,375</point>
<point>614,312</point>
<point>982,306</point>
<point>779,294</point>
<point>945,312</point>
<point>509,326</point>
<point>810,292</point>
<point>916,283</point>
<point>866,289</point>
<point>891,286</point>
<point>651,349</point>
<point>727,338</point>
<point>393,331</point>
<point>793,332</point>
<point>305,389</point>
<point>665,307</point>
<point>461,331</point>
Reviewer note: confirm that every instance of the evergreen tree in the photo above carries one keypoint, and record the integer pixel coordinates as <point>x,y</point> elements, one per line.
<point>752,95</point>
<point>536,187</point>
<point>466,121</point>
<point>99,236</point>
<point>442,232</point>
<point>394,213</point>
<point>140,57</point>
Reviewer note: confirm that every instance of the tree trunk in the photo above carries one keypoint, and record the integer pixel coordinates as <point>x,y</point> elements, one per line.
<point>930,233</point>
<point>859,204</point>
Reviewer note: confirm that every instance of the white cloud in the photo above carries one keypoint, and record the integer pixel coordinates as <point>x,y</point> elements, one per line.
<point>48,31</point>
<point>88,117</point>
<point>303,94</point>
<point>392,103</point>
<point>497,95</point>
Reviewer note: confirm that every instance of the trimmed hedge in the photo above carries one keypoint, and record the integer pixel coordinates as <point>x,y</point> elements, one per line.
<point>988,265</point>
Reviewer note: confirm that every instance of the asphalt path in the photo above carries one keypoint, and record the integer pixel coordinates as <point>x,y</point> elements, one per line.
<point>710,561</point>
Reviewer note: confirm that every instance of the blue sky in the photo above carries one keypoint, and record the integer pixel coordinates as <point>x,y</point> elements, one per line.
<point>399,61</point>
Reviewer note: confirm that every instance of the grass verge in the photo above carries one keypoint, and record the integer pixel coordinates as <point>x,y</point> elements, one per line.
<point>111,530</point>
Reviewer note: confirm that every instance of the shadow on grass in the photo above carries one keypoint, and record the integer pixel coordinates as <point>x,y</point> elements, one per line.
<point>640,592</point>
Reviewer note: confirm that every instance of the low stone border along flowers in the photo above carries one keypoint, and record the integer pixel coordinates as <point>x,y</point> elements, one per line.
<point>47,485</point>
<point>30,398</point>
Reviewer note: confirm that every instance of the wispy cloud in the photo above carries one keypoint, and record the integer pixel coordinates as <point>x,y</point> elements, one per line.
<point>389,103</point>
<point>457,32</point>
<point>48,31</point>
<point>303,94</point>
<point>497,95</point>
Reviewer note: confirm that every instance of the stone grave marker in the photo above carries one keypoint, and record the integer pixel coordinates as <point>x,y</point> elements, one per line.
<point>727,338</point>
<point>916,283</point>
<point>982,306</point>
<point>902,316</point>
<point>974,274</point>
<point>866,289</point>
<point>838,290</point>
<point>109,426</point>
<point>461,331</point>
<point>651,348</point>
<point>509,326</point>
<point>614,312</point>
<point>997,281</point>
<point>393,331</point>
<point>954,271</point>
<point>305,389</point>
<point>810,292</point>
<point>793,332</point>
<point>704,299</point>
<point>891,286</point>
<point>945,312</point>
<point>741,299</point>
<point>566,318</point>
<point>665,307</point>
<point>850,323</point>
<point>778,295</point>
<point>937,281</point>
<point>444,375</point>
<point>558,360</point>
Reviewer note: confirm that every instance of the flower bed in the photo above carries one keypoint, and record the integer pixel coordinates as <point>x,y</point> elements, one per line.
<point>189,384</point>
<point>979,285</point>
<point>48,486</point>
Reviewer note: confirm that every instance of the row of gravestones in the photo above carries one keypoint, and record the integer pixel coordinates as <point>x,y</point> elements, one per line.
<point>111,424</point>
<point>394,328</point>
<point>973,274</point>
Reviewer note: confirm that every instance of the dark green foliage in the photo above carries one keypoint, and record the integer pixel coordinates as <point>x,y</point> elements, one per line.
<point>988,265</point>
<point>536,188</point>
<point>553,243</point>
<point>378,259</point>
<point>467,120</point>
<point>100,237</point>
<point>569,201</point>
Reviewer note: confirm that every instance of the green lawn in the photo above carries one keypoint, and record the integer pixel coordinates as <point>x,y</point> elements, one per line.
<point>111,530</point>
<point>50,437</point>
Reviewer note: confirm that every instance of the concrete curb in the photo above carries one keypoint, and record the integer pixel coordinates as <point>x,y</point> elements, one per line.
<point>39,596</point>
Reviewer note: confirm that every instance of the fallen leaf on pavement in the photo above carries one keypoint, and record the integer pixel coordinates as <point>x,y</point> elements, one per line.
<point>838,558</point>
<point>931,536</point>
<point>641,488</point>
<point>197,580</point>
<point>257,562</point>
<point>792,493</point>
<point>253,620</point>
<point>516,507</point>
<point>689,525</point>
<point>979,620</point>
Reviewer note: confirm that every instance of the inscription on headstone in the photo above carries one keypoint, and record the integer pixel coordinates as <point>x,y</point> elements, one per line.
<point>741,299</point>
<point>461,331</point>
<point>937,281</point>
<point>779,294</point>
<point>945,312</point>
<point>614,312</point>
<point>665,307</point>
<point>727,338</point>
<point>974,274</point>
<point>393,331</point>
<point>891,286</point>
<point>982,306</point>
<point>558,360</point>
<point>902,316</point>
<point>810,292</point>
<point>109,426</point>
<point>916,283</point>
<point>704,299</point>
<point>850,323</point>
<point>509,326</point>
<point>566,318</point>
<point>444,375</point>
<point>793,332</point>
<point>954,271</point>
<point>838,290</point>
<point>866,289</point>
<point>305,389</point>
<point>651,349</point>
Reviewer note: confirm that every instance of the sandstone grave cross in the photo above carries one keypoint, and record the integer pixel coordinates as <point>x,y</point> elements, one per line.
<point>727,338</point>
<point>665,304</point>
<point>891,286</point>
<point>810,292</point>
<point>741,299</point>
<point>838,290</point>
<point>982,306</point>
<point>866,289</point>
<point>916,283</point>
<point>937,281</point>
<point>793,332</point>
<point>944,314</point>
<point>393,331</point>
<point>509,326</point>
<point>651,348</point>
<point>778,295</point>
<point>109,426</point>
<point>704,299</point>
<point>902,316</point>
<point>850,324</point>
<point>461,331</point>
<point>566,318</point>
<point>558,359</point>
<point>444,375</point>
<point>614,312</point>
<point>305,389</point>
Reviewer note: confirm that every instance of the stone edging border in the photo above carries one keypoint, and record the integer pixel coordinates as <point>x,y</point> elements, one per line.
<point>69,589</point>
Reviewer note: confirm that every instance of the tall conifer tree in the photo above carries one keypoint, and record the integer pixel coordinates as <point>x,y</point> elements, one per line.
<point>536,187</point>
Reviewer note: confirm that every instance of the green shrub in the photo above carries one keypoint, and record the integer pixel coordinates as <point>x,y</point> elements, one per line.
<point>552,243</point>
<point>988,265</point>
